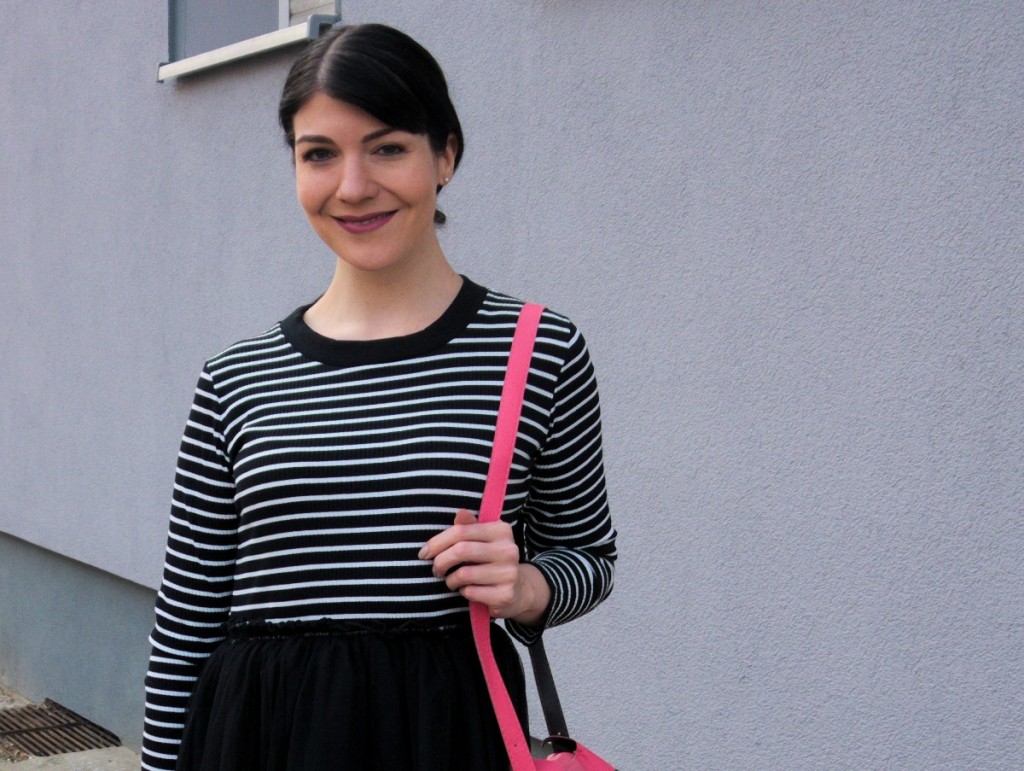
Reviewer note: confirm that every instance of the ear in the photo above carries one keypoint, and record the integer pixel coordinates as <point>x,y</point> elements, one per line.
<point>446,158</point>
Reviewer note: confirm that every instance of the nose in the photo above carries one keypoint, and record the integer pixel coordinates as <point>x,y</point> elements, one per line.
<point>356,183</point>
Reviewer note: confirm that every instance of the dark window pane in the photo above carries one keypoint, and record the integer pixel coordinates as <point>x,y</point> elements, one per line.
<point>202,25</point>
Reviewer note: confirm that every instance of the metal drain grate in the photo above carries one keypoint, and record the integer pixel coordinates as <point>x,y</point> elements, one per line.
<point>50,729</point>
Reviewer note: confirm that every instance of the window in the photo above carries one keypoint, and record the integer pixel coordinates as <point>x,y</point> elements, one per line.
<point>209,33</point>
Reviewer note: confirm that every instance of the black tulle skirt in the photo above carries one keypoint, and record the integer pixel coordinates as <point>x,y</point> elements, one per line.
<point>336,696</point>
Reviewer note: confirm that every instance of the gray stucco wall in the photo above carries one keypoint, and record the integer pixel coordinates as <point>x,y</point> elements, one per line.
<point>792,233</point>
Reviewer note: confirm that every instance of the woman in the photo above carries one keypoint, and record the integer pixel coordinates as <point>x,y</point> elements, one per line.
<point>322,548</point>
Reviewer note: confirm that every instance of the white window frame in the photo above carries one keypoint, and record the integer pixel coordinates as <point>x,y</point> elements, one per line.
<point>297,21</point>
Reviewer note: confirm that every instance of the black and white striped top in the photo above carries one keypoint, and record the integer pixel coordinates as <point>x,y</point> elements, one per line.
<point>312,471</point>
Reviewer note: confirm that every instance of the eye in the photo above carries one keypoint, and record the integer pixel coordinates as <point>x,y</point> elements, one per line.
<point>390,150</point>
<point>316,155</point>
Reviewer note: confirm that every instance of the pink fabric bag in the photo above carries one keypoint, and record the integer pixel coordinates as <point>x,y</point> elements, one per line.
<point>569,755</point>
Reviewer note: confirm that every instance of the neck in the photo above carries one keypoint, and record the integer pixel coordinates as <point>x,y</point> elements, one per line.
<point>372,305</point>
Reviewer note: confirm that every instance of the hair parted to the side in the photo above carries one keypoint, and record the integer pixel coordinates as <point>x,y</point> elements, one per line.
<point>383,72</point>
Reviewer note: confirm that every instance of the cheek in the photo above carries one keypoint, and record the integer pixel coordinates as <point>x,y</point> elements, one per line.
<point>309,194</point>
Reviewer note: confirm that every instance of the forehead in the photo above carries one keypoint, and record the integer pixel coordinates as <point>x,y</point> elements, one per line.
<point>322,114</point>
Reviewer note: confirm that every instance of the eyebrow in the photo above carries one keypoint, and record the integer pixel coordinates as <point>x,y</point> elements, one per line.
<point>320,139</point>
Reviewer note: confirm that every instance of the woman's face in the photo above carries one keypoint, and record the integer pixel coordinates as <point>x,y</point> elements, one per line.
<point>368,190</point>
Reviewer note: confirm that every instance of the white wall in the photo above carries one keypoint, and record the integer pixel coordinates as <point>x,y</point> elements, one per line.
<point>792,233</point>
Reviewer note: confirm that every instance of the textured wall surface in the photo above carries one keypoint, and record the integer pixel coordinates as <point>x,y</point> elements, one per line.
<point>793,234</point>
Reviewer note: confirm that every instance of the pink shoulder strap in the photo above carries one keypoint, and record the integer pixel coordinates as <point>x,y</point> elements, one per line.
<point>490,510</point>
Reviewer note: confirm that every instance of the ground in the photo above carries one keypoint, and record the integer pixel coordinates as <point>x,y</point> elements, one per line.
<point>8,699</point>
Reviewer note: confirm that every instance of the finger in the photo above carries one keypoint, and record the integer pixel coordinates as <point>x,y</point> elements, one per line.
<point>497,599</point>
<point>444,539</point>
<point>447,538</point>
<point>492,575</point>
<point>500,552</point>
<point>469,531</point>
<point>465,517</point>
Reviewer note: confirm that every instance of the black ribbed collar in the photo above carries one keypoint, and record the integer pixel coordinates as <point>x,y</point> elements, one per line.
<point>349,352</point>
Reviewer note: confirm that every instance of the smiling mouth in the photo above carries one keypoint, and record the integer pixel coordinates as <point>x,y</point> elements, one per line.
<point>366,222</point>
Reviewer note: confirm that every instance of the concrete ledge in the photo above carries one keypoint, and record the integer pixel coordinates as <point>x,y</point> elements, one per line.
<point>74,634</point>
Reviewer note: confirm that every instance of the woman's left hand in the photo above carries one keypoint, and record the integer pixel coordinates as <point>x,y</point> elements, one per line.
<point>481,562</point>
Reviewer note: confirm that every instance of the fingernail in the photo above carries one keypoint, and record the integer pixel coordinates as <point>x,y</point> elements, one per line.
<point>423,553</point>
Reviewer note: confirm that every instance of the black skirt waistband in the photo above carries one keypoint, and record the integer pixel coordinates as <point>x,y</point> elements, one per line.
<point>247,629</point>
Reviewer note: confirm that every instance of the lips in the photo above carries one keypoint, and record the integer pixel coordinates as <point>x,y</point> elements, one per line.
<point>365,223</point>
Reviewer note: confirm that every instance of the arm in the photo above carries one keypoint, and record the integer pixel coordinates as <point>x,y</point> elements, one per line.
<point>568,533</point>
<point>195,593</point>
<point>569,539</point>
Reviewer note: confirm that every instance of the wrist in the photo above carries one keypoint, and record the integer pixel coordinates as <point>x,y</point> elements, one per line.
<point>534,596</point>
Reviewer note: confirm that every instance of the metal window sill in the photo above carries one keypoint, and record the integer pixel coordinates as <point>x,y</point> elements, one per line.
<point>310,29</point>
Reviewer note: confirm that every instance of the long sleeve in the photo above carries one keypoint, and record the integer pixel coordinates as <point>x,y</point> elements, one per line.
<point>568,531</point>
<point>195,593</point>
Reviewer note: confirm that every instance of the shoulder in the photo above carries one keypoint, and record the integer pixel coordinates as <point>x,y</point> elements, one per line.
<point>249,347</point>
<point>247,355</point>
<point>556,329</point>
